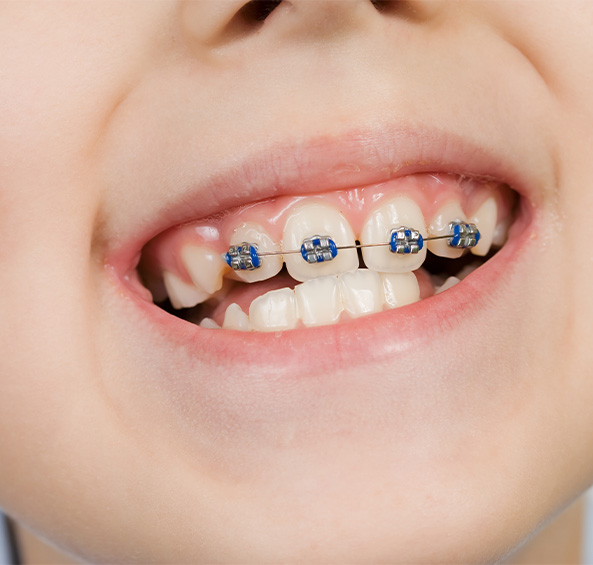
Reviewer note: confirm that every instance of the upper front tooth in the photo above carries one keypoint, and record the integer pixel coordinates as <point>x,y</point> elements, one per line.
<point>362,292</point>
<point>204,266</point>
<point>182,294</point>
<point>318,219</point>
<point>271,265</point>
<point>274,311</point>
<point>485,219</point>
<point>439,225</point>
<point>319,301</point>
<point>397,212</point>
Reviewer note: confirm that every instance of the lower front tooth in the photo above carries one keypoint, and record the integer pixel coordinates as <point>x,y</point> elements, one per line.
<point>209,324</point>
<point>450,282</point>
<point>362,292</point>
<point>485,220</point>
<point>182,294</point>
<point>235,319</point>
<point>274,311</point>
<point>319,301</point>
<point>400,289</point>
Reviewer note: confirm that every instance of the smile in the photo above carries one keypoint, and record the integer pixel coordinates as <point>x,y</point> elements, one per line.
<point>354,252</point>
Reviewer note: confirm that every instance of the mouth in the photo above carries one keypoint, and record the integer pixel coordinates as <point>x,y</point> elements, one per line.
<point>280,288</point>
<point>180,275</point>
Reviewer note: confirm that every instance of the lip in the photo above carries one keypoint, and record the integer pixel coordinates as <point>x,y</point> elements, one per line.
<point>322,164</point>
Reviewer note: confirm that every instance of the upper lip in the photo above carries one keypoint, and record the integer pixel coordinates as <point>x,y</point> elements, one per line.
<point>319,164</point>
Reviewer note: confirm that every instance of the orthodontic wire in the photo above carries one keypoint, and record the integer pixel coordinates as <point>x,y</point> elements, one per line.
<point>321,248</point>
<point>355,246</point>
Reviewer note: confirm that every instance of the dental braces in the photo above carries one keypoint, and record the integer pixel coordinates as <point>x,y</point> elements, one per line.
<point>322,248</point>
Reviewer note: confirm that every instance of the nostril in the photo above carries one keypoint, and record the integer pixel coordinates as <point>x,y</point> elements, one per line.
<point>381,5</point>
<point>258,10</point>
<point>248,19</point>
<point>400,8</point>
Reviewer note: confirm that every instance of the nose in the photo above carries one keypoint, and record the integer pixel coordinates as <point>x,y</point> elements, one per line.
<point>221,22</point>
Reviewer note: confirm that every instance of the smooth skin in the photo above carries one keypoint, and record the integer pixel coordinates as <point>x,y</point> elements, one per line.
<point>110,109</point>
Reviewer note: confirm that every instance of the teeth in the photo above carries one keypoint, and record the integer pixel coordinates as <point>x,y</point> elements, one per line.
<point>270,265</point>
<point>362,292</point>
<point>235,319</point>
<point>400,289</point>
<point>501,232</point>
<point>182,294</point>
<point>451,281</point>
<point>439,225</point>
<point>319,301</point>
<point>318,219</point>
<point>400,211</point>
<point>485,219</point>
<point>273,311</point>
<point>209,323</point>
<point>204,266</point>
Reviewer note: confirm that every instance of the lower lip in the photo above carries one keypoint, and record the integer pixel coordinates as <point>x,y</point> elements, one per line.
<point>375,338</point>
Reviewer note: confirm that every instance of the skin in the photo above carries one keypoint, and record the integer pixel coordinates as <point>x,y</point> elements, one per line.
<point>108,110</point>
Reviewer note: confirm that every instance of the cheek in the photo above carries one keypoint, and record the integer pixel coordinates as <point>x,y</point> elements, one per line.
<point>54,101</point>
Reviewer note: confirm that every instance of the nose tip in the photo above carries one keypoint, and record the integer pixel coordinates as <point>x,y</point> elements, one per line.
<point>325,17</point>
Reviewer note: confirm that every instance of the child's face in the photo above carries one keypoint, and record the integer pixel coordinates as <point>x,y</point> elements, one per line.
<point>447,428</point>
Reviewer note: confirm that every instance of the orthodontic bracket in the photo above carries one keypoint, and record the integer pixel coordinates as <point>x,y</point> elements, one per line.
<point>322,248</point>
<point>243,257</point>
<point>318,249</point>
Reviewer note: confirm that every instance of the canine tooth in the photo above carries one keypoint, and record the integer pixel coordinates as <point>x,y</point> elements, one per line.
<point>274,311</point>
<point>204,266</point>
<point>235,319</point>
<point>485,219</point>
<point>209,323</point>
<point>362,292</point>
<point>318,219</point>
<point>400,289</point>
<point>451,281</point>
<point>439,225</point>
<point>501,232</point>
<point>271,265</point>
<point>400,211</point>
<point>182,294</point>
<point>319,301</point>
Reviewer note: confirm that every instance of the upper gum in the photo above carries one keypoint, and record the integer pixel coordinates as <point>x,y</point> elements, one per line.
<point>429,191</point>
